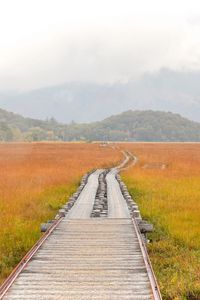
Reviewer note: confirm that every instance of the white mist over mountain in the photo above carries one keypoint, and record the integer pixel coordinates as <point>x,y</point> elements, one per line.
<point>99,57</point>
<point>86,102</point>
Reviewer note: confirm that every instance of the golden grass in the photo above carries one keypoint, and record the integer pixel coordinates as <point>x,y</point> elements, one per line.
<point>170,198</point>
<point>35,180</point>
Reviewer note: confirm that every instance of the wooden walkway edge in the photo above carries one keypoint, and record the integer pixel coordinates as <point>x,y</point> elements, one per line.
<point>82,257</point>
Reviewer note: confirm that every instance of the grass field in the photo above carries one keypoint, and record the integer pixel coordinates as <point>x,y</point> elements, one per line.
<point>35,180</point>
<point>166,185</point>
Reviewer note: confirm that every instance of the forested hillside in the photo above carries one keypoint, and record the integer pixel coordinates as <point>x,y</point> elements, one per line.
<point>128,126</point>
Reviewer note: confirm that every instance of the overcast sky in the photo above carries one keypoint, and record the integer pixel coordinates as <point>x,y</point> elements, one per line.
<point>47,42</point>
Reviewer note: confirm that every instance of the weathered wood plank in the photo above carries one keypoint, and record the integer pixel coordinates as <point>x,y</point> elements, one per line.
<point>88,258</point>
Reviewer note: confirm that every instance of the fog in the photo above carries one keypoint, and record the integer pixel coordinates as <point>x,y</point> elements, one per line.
<point>45,43</point>
<point>58,56</point>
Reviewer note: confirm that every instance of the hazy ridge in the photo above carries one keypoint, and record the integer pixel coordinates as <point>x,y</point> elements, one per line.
<point>128,126</point>
<point>84,102</point>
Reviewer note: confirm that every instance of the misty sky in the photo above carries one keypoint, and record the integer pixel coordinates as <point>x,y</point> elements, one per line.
<point>47,42</point>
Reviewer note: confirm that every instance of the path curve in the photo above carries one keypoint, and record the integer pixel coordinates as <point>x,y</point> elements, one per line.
<point>85,258</point>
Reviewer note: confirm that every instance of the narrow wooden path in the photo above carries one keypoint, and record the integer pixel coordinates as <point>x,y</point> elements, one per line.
<point>88,258</point>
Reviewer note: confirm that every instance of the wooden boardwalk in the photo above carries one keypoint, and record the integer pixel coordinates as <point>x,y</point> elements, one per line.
<point>89,258</point>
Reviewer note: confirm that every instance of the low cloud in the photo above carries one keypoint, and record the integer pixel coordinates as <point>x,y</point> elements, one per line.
<point>51,42</point>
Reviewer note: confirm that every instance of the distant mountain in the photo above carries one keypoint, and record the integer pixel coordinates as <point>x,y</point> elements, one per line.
<point>151,126</point>
<point>14,127</point>
<point>167,90</point>
<point>128,126</point>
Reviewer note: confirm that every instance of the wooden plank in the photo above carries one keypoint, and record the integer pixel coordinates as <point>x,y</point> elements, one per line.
<point>94,276</point>
<point>83,206</point>
<point>88,258</point>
